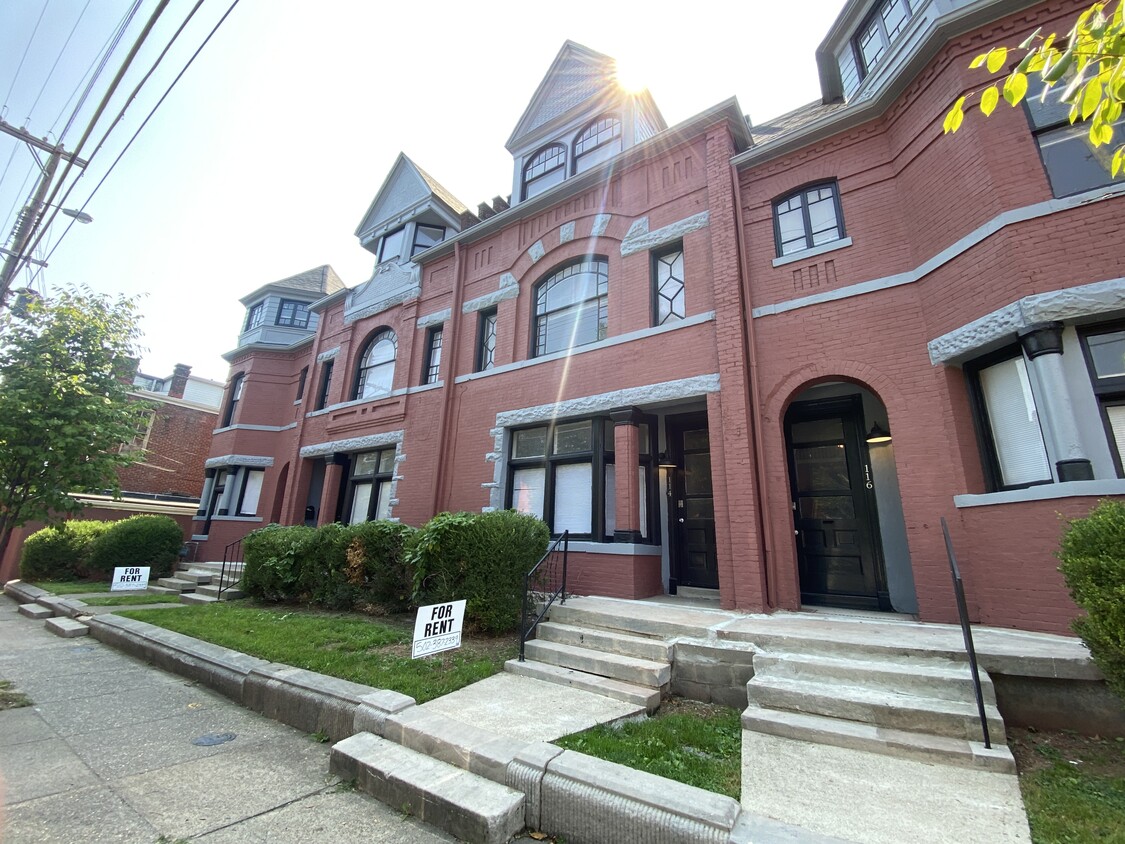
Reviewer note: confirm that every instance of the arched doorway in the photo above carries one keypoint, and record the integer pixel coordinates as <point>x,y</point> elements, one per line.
<point>847,512</point>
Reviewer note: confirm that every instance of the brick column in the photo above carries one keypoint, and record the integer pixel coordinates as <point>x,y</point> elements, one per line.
<point>330,494</point>
<point>627,496</point>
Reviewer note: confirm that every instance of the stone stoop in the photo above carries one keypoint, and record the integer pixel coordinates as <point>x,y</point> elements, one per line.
<point>451,798</point>
<point>619,664</point>
<point>208,578</point>
<point>896,704</point>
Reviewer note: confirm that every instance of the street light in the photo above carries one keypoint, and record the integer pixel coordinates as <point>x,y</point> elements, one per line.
<point>80,216</point>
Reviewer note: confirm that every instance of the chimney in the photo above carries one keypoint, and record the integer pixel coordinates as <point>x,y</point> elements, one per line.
<point>484,211</point>
<point>179,380</point>
<point>500,204</point>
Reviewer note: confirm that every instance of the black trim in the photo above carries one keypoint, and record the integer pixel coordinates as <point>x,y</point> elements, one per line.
<point>325,384</point>
<point>293,321</point>
<point>1108,391</point>
<point>654,282</point>
<point>1042,338</point>
<point>807,222</point>
<point>234,396</point>
<point>482,323</point>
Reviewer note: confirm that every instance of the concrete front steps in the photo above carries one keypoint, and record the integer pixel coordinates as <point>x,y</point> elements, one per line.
<point>569,650</point>
<point>199,583</point>
<point>908,705</point>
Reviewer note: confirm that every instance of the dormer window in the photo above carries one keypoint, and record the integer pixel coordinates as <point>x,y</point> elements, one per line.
<point>294,314</point>
<point>391,247</point>
<point>254,316</point>
<point>597,142</point>
<point>425,237</point>
<point>879,30</point>
<point>545,170</point>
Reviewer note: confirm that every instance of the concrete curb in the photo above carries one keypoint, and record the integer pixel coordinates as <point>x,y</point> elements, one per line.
<point>24,593</point>
<point>314,703</point>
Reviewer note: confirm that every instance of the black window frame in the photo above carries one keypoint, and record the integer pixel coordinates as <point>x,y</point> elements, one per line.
<point>431,369</point>
<point>658,256</point>
<point>292,320</point>
<point>243,482</point>
<point>255,316</point>
<point>1109,391</point>
<point>302,378</point>
<point>540,319</point>
<point>876,16</point>
<point>359,383</point>
<point>234,396</point>
<point>986,443</point>
<point>352,480</point>
<point>533,162</point>
<point>803,192</point>
<point>325,384</point>
<point>485,358</point>
<point>401,230</point>
<point>416,247</point>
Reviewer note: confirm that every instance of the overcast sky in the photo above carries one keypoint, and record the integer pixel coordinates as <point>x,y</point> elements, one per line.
<point>262,161</point>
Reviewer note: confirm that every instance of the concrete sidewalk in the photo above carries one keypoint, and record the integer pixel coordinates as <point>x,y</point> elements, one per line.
<point>107,753</point>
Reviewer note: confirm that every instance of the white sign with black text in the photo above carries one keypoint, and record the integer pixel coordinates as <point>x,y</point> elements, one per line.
<point>438,628</point>
<point>129,577</point>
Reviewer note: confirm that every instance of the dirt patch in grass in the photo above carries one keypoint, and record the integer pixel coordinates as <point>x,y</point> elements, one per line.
<point>10,698</point>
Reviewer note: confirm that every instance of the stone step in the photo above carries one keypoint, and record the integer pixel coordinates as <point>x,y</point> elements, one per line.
<point>956,719</point>
<point>854,735</point>
<point>162,590</point>
<point>68,628</point>
<point>194,576</point>
<point>176,584</point>
<point>630,669</point>
<point>644,696</point>
<point>843,638</point>
<point>230,593</point>
<point>598,639</point>
<point>938,678</point>
<point>461,803</point>
<point>624,617</point>
<point>35,611</point>
<point>195,598</point>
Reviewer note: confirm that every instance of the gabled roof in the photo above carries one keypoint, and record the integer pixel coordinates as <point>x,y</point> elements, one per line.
<point>320,280</point>
<point>406,185</point>
<point>576,75</point>
<point>793,121</point>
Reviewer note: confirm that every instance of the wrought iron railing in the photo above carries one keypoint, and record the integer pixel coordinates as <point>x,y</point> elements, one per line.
<point>542,585</point>
<point>232,560</point>
<point>966,630</point>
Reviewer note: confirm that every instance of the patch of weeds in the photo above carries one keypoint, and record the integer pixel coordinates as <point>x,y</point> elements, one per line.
<point>165,839</point>
<point>10,698</point>
<point>320,737</point>
<point>345,786</point>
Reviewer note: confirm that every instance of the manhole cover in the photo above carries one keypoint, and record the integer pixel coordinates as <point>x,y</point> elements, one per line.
<point>211,739</point>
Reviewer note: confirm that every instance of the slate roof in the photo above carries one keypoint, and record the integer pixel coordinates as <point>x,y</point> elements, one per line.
<point>793,121</point>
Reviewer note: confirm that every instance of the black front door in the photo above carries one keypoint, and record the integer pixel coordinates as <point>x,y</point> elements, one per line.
<point>692,504</point>
<point>833,508</point>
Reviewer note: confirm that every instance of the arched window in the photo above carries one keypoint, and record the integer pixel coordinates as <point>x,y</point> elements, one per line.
<point>377,366</point>
<point>571,306</point>
<point>597,142</point>
<point>234,396</point>
<point>545,169</point>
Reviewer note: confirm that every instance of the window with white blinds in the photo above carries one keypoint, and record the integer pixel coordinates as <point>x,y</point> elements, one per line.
<point>1013,422</point>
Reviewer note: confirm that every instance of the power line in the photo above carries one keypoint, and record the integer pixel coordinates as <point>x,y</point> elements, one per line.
<point>58,58</point>
<point>26,50</point>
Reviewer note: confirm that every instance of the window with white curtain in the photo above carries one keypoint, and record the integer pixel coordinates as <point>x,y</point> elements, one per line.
<point>1016,455</point>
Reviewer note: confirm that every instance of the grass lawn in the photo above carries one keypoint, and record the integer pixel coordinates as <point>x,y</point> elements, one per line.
<point>363,649</point>
<point>72,587</point>
<point>1073,786</point>
<point>10,698</point>
<point>131,600</point>
<point>695,743</point>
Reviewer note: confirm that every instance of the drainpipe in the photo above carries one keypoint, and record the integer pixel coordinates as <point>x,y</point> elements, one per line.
<point>444,448</point>
<point>765,526</point>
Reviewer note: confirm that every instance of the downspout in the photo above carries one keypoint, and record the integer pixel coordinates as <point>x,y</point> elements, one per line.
<point>765,526</point>
<point>444,449</point>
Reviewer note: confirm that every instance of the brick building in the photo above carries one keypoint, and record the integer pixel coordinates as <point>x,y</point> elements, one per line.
<point>759,361</point>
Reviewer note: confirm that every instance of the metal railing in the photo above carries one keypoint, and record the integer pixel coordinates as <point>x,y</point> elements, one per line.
<point>966,631</point>
<point>232,557</point>
<point>545,582</point>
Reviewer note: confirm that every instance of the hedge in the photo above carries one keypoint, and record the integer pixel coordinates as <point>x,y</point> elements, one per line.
<point>146,540</point>
<point>60,552</point>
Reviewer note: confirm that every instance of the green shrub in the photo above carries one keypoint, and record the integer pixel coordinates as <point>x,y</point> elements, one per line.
<point>152,541</point>
<point>1093,563</point>
<point>60,552</point>
<point>376,564</point>
<point>274,557</point>
<point>479,557</point>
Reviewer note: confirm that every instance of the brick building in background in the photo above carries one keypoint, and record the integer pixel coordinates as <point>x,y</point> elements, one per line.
<point>754,361</point>
<point>174,441</point>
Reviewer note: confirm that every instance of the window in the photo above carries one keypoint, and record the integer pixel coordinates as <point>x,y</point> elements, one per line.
<point>431,368</point>
<point>235,395</point>
<point>1012,439</point>
<point>1072,163</point>
<point>293,314</point>
<point>390,248</point>
<point>301,379</point>
<point>807,218</point>
<point>597,142</point>
<point>545,169</point>
<point>141,433</point>
<point>1105,357</point>
<point>325,384</point>
<point>369,486</point>
<point>571,307</point>
<point>875,36</point>
<point>254,316</point>
<point>486,341</point>
<point>425,237</point>
<point>564,474</point>
<point>377,366</point>
<point>250,492</point>
<point>668,285</point>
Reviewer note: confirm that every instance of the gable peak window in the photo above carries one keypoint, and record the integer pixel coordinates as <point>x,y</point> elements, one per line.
<point>807,218</point>
<point>377,366</point>
<point>545,169</point>
<point>571,306</point>
<point>254,316</point>
<point>426,236</point>
<point>293,314</point>
<point>600,140</point>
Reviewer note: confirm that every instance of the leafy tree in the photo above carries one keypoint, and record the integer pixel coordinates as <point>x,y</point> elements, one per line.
<point>1091,64</point>
<point>65,373</point>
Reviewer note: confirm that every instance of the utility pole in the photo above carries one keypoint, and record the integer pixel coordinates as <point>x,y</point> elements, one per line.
<point>32,213</point>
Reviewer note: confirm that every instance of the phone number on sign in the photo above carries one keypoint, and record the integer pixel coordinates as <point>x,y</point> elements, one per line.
<point>425,647</point>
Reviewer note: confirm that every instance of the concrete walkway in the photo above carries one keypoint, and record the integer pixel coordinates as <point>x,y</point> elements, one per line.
<point>108,753</point>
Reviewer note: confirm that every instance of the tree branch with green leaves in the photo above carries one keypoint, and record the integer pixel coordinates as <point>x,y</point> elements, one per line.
<point>1089,63</point>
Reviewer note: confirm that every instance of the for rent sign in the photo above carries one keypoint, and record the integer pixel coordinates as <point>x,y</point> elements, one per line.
<point>438,628</point>
<point>129,577</point>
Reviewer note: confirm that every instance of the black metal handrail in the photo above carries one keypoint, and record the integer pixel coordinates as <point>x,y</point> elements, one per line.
<point>966,631</point>
<point>232,556</point>
<point>544,573</point>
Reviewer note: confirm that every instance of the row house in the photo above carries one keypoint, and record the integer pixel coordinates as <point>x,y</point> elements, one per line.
<point>754,362</point>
